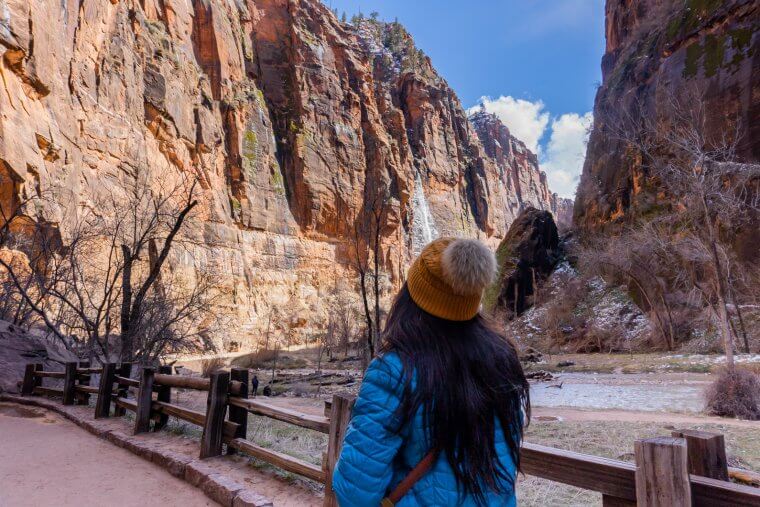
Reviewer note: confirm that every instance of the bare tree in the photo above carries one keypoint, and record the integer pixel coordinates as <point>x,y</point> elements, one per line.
<point>326,342</point>
<point>367,249</point>
<point>634,257</point>
<point>22,246</point>
<point>342,314</point>
<point>711,197</point>
<point>152,233</point>
<point>106,280</point>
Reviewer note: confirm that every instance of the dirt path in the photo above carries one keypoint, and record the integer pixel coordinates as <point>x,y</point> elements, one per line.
<point>47,461</point>
<point>574,414</point>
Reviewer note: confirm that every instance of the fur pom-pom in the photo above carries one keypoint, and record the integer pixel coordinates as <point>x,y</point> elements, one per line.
<point>468,266</point>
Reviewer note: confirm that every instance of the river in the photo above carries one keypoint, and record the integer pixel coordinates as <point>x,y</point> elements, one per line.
<point>642,392</point>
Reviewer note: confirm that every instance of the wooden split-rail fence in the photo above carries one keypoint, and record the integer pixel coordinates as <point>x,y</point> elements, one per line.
<point>688,468</point>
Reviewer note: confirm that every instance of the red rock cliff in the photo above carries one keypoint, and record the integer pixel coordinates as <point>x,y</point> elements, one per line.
<point>290,119</point>
<point>658,50</point>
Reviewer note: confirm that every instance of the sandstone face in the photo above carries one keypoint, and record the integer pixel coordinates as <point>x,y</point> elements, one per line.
<point>516,166</point>
<point>657,50</point>
<point>525,257</point>
<point>562,209</point>
<point>289,119</point>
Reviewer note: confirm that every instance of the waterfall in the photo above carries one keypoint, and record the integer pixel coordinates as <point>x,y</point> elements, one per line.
<point>423,227</point>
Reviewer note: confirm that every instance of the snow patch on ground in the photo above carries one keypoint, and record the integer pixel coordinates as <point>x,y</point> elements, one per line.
<point>609,309</point>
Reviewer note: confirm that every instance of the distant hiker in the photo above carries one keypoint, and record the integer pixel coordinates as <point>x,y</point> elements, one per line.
<point>255,385</point>
<point>267,390</point>
<point>444,405</point>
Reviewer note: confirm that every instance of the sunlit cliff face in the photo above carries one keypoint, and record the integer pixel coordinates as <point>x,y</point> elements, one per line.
<point>290,121</point>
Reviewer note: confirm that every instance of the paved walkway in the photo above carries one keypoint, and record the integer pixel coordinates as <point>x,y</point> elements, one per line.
<point>46,460</point>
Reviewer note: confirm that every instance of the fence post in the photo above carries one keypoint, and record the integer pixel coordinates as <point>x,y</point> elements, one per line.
<point>69,381</point>
<point>237,414</point>
<point>125,370</point>
<point>105,391</point>
<point>706,453</point>
<point>38,380</point>
<point>27,387</point>
<point>216,408</point>
<point>340,415</point>
<point>84,380</point>
<point>662,473</point>
<point>144,400</point>
<point>165,395</point>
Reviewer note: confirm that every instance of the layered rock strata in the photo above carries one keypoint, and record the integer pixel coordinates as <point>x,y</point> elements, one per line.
<point>290,120</point>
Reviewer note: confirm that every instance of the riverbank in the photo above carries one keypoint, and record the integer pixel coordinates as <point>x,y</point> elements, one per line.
<point>640,363</point>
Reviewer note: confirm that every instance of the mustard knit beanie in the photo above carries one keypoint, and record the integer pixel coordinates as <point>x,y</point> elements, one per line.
<point>448,277</point>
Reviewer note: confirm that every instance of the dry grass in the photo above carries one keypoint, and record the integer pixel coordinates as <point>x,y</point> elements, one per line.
<point>613,439</point>
<point>636,363</point>
<point>304,444</point>
<point>209,366</point>
<point>735,394</point>
<point>532,491</point>
<point>600,438</point>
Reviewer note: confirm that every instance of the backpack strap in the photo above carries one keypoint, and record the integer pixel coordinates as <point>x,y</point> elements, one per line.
<point>415,475</point>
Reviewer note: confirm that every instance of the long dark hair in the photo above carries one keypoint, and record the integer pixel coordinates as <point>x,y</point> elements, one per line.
<point>468,375</point>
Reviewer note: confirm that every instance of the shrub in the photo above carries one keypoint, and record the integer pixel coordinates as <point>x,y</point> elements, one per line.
<point>735,394</point>
<point>566,318</point>
<point>209,366</point>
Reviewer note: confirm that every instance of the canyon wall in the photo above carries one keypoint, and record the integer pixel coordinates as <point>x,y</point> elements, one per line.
<point>661,52</point>
<point>289,119</point>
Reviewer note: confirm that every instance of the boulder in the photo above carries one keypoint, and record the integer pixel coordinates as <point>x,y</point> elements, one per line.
<point>525,257</point>
<point>19,347</point>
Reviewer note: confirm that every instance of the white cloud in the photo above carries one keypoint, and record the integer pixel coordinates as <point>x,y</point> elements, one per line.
<point>566,152</point>
<point>526,120</point>
<point>563,155</point>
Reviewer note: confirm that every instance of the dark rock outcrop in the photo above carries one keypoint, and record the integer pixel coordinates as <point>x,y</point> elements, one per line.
<point>525,256</point>
<point>19,347</point>
<point>659,52</point>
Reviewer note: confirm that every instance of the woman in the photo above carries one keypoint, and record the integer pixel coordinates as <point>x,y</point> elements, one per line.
<point>440,414</point>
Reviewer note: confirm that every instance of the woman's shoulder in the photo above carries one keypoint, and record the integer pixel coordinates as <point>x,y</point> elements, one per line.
<point>388,363</point>
<point>385,372</point>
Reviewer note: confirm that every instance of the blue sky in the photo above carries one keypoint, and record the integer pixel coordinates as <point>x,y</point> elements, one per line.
<point>536,61</point>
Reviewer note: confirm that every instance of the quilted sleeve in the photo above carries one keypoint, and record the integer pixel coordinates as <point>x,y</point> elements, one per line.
<point>364,470</point>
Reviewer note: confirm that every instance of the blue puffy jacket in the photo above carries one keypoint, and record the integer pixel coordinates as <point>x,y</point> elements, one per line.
<point>375,459</point>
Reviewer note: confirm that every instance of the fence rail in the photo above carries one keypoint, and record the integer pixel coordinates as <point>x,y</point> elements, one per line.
<point>50,374</point>
<point>688,468</point>
<point>312,422</point>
